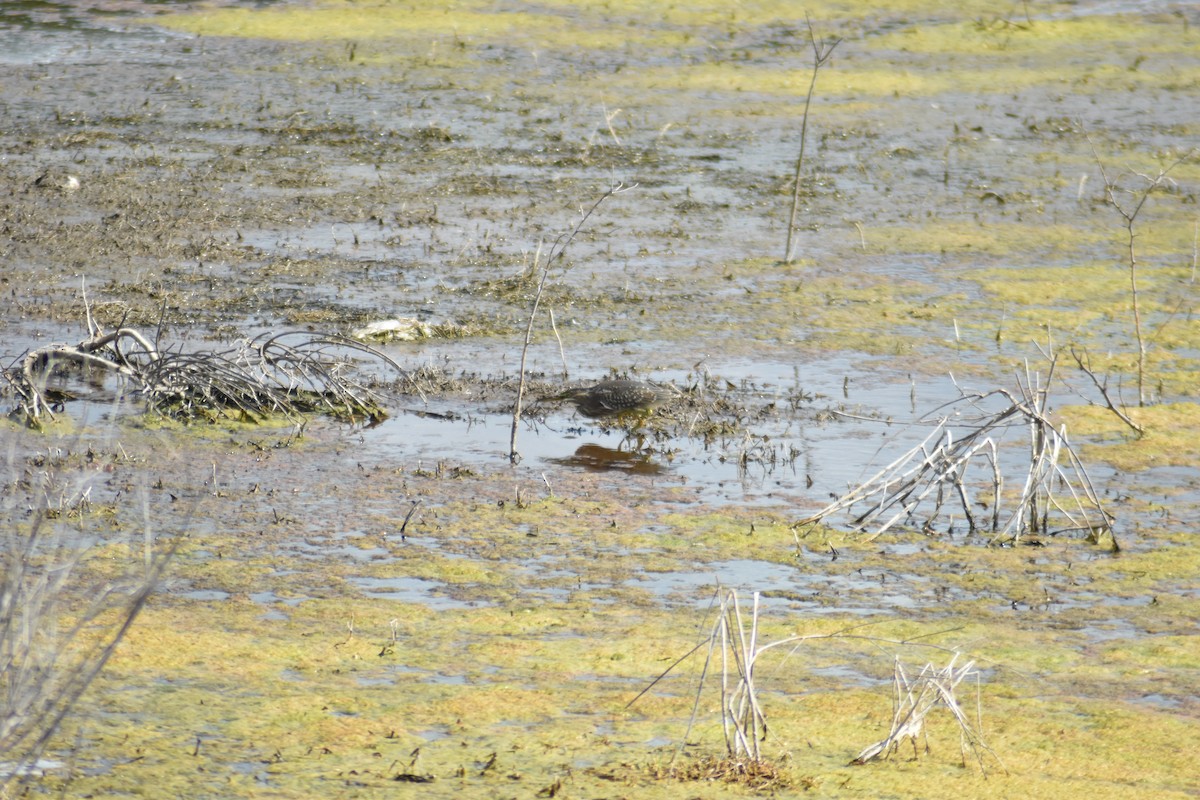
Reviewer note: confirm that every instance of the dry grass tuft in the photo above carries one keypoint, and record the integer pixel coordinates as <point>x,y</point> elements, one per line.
<point>756,774</point>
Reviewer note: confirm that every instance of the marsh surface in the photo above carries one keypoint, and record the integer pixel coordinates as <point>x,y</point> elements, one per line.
<point>209,173</point>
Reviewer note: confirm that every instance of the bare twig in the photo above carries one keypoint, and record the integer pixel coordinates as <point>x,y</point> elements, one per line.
<point>561,352</point>
<point>1129,211</point>
<point>556,252</point>
<point>1084,362</point>
<point>912,701</point>
<point>732,645</point>
<point>937,469</point>
<point>822,52</point>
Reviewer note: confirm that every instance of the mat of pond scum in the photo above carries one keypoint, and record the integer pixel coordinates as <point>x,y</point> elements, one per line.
<point>393,271</point>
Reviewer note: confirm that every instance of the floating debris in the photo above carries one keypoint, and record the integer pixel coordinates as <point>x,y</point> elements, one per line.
<point>403,329</point>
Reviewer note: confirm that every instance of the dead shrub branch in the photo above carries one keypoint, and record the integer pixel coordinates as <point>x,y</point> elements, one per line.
<point>1129,202</point>
<point>822,50</point>
<point>1084,362</point>
<point>913,700</point>
<point>291,374</point>
<point>926,485</point>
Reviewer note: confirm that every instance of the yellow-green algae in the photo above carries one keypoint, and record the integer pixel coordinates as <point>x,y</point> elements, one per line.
<point>457,23</point>
<point>594,26</point>
<point>909,82</point>
<point>983,62</point>
<point>336,691</point>
<point>362,20</point>
<point>867,313</point>
<point>326,22</point>
<point>1086,305</point>
<point>820,310</point>
<point>983,237</point>
<point>1172,435</point>
<point>1053,39</point>
<point>758,12</point>
<point>315,701</point>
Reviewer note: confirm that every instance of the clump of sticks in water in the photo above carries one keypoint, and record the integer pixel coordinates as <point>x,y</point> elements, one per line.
<point>912,701</point>
<point>290,374</point>
<point>925,486</point>
<point>733,654</point>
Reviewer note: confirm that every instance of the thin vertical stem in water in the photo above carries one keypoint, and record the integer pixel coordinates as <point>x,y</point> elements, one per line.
<point>1129,213</point>
<point>556,252</point>
<point>822,51</point>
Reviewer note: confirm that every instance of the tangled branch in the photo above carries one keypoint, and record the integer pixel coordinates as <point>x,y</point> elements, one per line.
<point>292,373</point>
<point>1056,494</point>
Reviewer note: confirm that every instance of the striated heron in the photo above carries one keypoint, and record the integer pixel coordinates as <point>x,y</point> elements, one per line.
<point>620,397</point>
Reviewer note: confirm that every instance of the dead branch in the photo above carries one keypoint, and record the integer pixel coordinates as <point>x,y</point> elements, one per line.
<point>291,373</point>
<point>556,253</point>
<point>1054,482</point>
<point>913,700</point>
<point>822,52</point>
<point>1128,210</point>
<point>732,649</point>
<point>1084,362</point>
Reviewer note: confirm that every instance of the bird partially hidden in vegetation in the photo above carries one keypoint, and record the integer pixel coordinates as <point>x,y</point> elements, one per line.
<point>617,399</point>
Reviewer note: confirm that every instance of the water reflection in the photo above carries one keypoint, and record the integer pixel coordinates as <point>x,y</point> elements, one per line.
<point>38,31</point>
<point>598,458</point>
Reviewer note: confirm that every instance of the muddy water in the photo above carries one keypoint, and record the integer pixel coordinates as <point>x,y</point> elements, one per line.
<point>401,273</point>
<point>236,186</point>
<point>229,187</point>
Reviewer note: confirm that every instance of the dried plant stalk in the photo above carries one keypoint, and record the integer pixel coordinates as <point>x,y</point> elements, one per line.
<point>732,646</point>
<point>913,700</point>
<point>1056,495</point>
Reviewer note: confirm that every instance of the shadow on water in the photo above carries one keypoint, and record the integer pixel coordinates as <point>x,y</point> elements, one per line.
<point>599,458</point>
